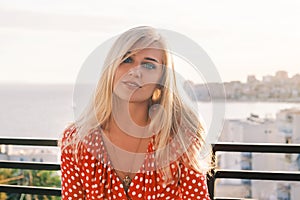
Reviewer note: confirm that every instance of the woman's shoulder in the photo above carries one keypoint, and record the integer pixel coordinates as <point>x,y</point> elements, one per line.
<point>92,137</point>
<point>67,135</point>
<point>72,132</point>
<point>69,131</point>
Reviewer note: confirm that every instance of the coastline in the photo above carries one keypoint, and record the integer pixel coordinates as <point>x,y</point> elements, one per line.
<point>253,101</point>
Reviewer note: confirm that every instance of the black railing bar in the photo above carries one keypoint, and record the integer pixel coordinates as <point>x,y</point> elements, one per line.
<point>29,165</point>
<point>224,146</point>
<point>257,147</point>
<point>29,141</point>
<point>258,175</point>
<point>19,189</point>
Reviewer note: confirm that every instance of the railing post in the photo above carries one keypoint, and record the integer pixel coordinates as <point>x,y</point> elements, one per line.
<point>211,184</point>
<point>211,177</point>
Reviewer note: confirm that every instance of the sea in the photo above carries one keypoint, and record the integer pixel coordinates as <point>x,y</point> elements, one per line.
<point>43,111</point>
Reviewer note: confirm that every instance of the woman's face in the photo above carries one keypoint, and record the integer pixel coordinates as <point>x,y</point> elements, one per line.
<point>138,75</point>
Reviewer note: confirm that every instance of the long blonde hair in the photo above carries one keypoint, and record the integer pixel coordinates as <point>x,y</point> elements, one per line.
<point>178,121</point>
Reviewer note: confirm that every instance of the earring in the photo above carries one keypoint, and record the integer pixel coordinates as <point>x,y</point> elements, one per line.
<point>156,95</point>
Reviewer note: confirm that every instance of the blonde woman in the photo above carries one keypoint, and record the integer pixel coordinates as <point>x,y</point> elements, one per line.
<point>136,139</point>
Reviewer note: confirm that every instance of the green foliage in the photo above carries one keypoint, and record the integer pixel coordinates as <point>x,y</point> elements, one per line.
<point>39,178</point>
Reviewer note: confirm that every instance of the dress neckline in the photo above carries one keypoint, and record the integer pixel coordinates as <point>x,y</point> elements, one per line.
<point>136,176</point>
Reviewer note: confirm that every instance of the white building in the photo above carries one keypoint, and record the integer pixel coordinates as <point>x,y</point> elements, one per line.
<point>288,122</point>
<point>286,128</point>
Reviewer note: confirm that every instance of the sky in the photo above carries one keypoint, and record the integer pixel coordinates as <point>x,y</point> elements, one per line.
<point>48,41</point>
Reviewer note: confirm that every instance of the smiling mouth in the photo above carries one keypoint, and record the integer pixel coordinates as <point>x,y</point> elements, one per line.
<point>132,84</point>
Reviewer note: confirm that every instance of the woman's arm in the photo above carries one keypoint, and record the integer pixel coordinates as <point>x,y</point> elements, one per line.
<point>70,177</point>
<point>193,184</point>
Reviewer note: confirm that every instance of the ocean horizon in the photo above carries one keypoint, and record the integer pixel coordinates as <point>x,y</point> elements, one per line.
<point>35,110</point>
<point>44,110</point>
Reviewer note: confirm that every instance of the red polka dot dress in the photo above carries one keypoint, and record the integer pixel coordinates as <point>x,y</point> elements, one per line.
<point>93,177</point>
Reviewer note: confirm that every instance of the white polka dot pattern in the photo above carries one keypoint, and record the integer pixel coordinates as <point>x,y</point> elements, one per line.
<point>94,178</point>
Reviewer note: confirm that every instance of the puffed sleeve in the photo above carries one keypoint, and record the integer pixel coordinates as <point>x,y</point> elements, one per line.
<point>70,175</point>
<point>193,184</point>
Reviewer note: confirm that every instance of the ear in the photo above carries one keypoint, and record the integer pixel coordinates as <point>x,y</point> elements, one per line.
<point>156,95</point>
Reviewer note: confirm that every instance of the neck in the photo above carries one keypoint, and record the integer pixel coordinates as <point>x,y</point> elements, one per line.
<point>130,117</point>
<point>129,134</point>
<point>138,112</point>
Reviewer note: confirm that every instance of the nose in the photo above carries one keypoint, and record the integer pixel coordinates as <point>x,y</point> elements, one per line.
<point>135,72</point>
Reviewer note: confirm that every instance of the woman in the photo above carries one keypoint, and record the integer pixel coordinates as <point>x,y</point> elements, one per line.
<point>136,139</point>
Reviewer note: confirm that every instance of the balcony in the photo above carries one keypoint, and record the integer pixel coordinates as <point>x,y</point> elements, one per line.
<point>24,165</point>
<point>216,174</point>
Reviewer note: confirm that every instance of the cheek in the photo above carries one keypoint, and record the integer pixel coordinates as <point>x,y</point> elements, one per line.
<point>117,76</point>
<point>152,78</point>
<point>148,90</point>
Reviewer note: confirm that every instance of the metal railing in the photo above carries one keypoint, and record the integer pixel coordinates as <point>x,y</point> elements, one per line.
<point>252,174</point>
<point>216,174</point>
<point>21,189</point>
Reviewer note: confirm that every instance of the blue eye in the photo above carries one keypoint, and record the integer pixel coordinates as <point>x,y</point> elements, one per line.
<point>128,60</point>
<point>149,65</point>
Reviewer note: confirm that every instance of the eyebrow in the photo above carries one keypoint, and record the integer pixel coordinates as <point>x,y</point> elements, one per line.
<point>128,52</point>
<point>152,59</point>
<point>146,58</point>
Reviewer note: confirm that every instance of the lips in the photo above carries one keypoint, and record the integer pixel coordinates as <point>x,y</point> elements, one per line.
<point>132,84</point>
